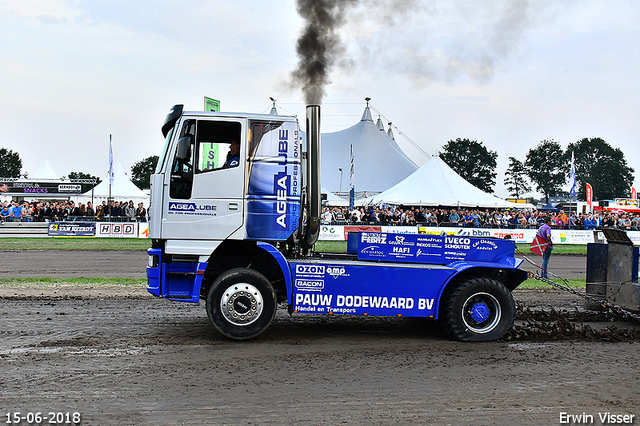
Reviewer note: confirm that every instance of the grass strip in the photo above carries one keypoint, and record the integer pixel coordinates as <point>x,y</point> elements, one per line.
<point>74,243</point>
<point>71,282</point>
<point>533,284</point>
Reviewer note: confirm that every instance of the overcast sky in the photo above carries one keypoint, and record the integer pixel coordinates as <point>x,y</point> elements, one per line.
<point>508,73</point>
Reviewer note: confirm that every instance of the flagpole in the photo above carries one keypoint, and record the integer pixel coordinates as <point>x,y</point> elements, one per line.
<point>110,174</point>
<point>352,184</point>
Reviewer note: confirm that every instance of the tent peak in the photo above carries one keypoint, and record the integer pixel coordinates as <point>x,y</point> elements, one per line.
<point>379,124</point>
<point>366,116</point>
<point>390,133</point>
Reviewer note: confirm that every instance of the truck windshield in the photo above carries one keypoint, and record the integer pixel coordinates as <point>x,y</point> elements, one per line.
<point>163,157</point>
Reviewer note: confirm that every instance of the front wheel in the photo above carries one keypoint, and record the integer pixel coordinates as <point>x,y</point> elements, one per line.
<point>241,303</point>
<point>478,310</point>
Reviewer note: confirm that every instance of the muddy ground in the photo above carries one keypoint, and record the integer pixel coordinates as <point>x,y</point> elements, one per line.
<point>122,357</point>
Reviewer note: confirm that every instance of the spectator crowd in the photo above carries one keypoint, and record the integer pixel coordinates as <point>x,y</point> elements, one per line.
<point>477,218</point>
<point>114,211</point>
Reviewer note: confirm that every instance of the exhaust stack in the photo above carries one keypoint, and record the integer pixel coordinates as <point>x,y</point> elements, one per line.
<point>313,177</point>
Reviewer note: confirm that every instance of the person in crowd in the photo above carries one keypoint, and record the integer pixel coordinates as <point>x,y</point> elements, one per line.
<point>130,212</point>
<point>545,233</point>
<point>74,211</point>
<point>82,214</point>
<point>506,219</point>
<point>141,213</point>
<point>497,218</point>
<point>116,211</point>
<point>562,218</point>
<point>99,215</point>
<point>327,215</point>
<point>39,213</point>
<point>106,211</point>
<point>5,214</point>
<point>454,218</point>
<point>89,212</point>
<point>27,213</point>
<point>16,212</point>
<point>468,219</point>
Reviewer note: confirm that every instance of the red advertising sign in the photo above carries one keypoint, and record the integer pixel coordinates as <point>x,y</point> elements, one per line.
<point>589,195</point>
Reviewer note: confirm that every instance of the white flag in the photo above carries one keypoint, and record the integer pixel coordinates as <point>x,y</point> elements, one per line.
<point>572,179</point>
<point>110,162</point>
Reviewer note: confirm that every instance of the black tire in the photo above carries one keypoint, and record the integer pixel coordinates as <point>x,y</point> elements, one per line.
<point>241,303</point>
<point>478,310</point>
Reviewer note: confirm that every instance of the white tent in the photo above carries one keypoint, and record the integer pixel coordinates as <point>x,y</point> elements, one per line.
<point>333,199</point>
<point>45,172</point>
<point>436,184</point>
<point>121,190</point>
<point>379,163</point>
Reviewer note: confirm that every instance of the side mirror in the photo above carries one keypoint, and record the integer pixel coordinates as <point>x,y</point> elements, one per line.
<point>183,151</point>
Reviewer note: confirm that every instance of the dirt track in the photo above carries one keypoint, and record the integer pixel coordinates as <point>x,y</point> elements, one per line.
<point>131,264</point>
<point>122,357</point>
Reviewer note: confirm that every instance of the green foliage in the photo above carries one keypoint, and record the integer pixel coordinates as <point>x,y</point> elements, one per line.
<point>142,170</point>
<point>10,163</point>
<point>80,175</point>
<point>546,167</point>
<point>602,166</point>
<point>473,161</point>
<point>516,178</point>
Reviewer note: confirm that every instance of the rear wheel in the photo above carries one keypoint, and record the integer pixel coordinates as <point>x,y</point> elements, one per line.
<point>478,310</point>
<point>241,303</point>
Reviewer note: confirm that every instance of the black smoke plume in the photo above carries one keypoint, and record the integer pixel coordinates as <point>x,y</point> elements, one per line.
<point>319,45</point>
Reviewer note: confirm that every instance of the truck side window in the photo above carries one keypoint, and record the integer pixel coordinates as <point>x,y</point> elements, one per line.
<point>218,145</point>
<point>182,168</point>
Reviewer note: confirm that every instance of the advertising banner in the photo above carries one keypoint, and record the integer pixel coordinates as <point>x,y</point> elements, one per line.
<point>431,248</point>
<point>143,230</point>
<point>355,289</point>
<point>117,230</point>
<point>399,229</point>
<point>72,229</point>
<point>331,233</point>
<point>40,188</point>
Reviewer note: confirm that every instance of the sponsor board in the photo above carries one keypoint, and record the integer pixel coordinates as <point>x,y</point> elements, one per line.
<point>356,289</point>
<point>421,248</point>
<point>399,229</point>
<point>143,230</point>
<point>117,230</point>
<point>72,229</point>
<point>331,233</point>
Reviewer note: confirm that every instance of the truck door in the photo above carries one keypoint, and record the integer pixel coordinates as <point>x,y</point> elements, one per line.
<point>205,180</point>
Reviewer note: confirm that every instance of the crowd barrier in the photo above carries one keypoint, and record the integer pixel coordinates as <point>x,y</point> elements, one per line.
<point>75,229</point>
<point>327,232</point>
<point>560,236</point>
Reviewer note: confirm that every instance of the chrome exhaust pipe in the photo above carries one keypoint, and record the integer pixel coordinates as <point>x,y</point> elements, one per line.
<point>313,177</point>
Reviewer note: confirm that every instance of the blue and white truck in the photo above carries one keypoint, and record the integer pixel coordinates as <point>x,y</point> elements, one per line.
<point>236,227</point>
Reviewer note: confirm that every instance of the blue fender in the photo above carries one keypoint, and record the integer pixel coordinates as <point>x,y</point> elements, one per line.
<point>284,266</point>
<point>461,266</point>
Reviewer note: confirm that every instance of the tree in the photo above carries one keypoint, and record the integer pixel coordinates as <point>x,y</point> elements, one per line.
<point>515,178</point>
<point>546,167</point>
<point>602,166</point>
<point>142,170</point>
<point>10,163</point>
<point>80,175</point>
<point>471,160</point>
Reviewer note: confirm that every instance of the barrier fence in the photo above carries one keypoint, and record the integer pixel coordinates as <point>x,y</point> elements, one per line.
<point>327,232</point>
